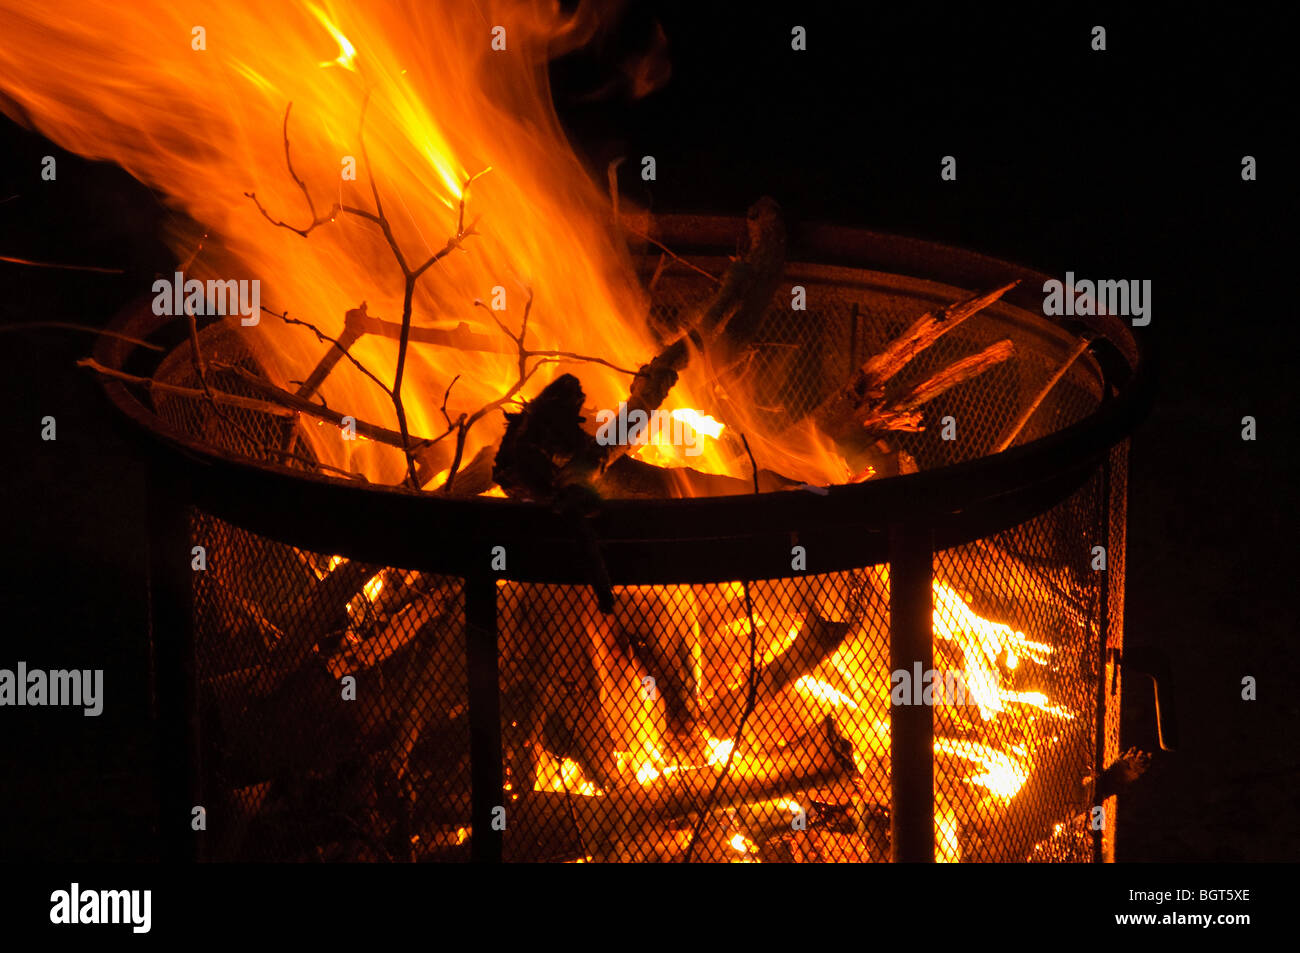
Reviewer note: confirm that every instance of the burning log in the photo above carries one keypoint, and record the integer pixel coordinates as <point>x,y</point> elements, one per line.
<point>628,477</point>
<point>817,638</point>
<point>627,813</point>
<point>544,447</point>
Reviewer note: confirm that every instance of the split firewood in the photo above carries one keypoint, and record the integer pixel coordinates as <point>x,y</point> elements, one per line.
<point>628,810</point>
<point>997,831</point>
<point>551,686</point>
<point>659,625</point>
<point>842,415</point>
<point>903,414</point>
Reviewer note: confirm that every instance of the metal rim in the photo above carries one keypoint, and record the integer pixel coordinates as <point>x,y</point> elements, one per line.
<point>660,541</point>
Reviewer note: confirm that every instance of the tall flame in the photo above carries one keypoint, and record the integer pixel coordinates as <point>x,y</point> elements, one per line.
<point>191,98</point>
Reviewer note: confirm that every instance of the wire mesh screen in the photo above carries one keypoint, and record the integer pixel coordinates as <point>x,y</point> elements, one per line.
<point>751,722</point>
<point>742,722</point>
<point>707,721</point>
<point>332,700</point>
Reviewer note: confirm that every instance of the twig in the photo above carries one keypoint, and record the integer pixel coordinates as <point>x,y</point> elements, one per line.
<point>753,464</point>
<point>409,275</point>
<point>325,338</point>
<point>303,405</point>
<point>148,383</point>
<point>672,254</point>
<point>69,326</point>
<point>316,220</point>
<point>446,394</point>
<point>1019,424</point>
<point>51,264</point>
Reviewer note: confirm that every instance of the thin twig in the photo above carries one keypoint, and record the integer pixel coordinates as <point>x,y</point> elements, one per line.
<point>51,264</point>
<point>69,326</point>
<point>672,254</point>
<point>325,338</point>
<point>148,383</point>
<point>1014,430</point>
<point>753,464</point>
<point>316,220</point>
<point>446,394</point>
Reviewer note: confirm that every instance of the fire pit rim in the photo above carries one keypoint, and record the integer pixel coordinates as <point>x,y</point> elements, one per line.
<point>676,540</point>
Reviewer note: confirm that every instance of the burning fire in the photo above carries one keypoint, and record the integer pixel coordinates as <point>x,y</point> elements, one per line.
<point>191,97</point>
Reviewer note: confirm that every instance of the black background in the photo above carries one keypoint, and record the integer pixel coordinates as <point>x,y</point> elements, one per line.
<point>1117,164</point>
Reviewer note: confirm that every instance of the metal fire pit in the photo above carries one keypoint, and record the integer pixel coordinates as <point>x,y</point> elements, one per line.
<point>487,706</point>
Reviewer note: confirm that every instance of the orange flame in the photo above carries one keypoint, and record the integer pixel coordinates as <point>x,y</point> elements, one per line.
<point>191,98</point>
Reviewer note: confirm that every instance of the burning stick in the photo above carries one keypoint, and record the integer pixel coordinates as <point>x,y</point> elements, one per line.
<point>817,639</point>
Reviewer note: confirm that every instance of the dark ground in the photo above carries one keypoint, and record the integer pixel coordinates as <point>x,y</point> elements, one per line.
<point>1120,164</point>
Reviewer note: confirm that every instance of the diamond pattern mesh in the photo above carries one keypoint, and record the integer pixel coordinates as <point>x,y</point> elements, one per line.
<point>741,722</point>
<point>300,764</point>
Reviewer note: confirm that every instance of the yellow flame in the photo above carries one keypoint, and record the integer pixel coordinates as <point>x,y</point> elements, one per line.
<point>821,691</point>
<point>1001,775</point>
<point>701,423</point>
<point>347,52</point>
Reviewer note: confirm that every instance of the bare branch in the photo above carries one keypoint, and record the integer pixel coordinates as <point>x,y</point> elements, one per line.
<point>316,220</point>
<point>325,338</point>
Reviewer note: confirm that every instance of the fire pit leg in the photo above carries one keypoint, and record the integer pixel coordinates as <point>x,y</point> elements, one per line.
<point>486,794</point>
<point>171,637</point>
<point>911,749</point>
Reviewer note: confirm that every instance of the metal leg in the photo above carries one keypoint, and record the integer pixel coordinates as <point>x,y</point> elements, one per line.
<point>911,749</point>
<point>174,693</point>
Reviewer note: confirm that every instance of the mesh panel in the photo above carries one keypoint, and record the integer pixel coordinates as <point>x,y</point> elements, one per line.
<point>633,737</point>
<point>298,763</point>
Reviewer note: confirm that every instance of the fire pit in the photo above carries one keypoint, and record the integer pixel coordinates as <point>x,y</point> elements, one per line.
<point>922,665</point>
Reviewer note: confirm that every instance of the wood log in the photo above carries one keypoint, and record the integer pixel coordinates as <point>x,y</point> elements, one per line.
<point>839,415</point>
<point>629,477</point>
<point>817,639</point>
<point>903,413</point>
<point>545,448</point>
<point>629,812</point>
